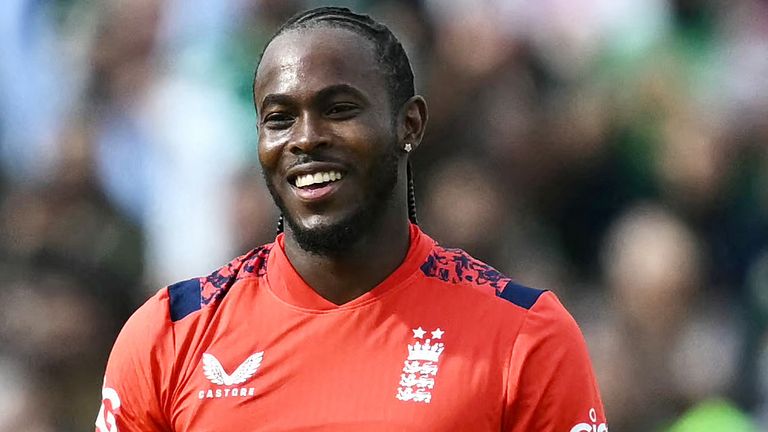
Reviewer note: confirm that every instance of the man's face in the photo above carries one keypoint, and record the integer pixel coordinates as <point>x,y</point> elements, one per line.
<point>327,141</point>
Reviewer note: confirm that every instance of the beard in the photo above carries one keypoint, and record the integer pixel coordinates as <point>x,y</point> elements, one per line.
<point>336,238</point>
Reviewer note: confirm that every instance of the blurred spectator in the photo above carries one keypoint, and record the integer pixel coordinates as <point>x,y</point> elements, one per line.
<point>653,270</point>
<point>22,409</point>
<point>35,90</point>
<point>170,138</point>
<point>462,184</point>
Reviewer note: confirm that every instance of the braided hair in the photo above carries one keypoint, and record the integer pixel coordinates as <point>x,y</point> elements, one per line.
<point>391,56</point>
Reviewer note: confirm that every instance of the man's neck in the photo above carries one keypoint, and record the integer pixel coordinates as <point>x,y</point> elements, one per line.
<point>344,277</point>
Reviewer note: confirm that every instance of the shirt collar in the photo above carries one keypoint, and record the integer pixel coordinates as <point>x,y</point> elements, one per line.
<point>286,283</point>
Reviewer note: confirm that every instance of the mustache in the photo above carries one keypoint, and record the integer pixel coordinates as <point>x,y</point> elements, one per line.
<point>306,158</point>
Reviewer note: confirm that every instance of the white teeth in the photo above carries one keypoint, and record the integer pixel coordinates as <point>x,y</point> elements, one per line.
<point>320,177</point>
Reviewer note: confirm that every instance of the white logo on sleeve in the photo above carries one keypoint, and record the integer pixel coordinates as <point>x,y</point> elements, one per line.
<point>420,368</point>
<point>110,404</point>
<point>590,427</point>
<point>214,372</point>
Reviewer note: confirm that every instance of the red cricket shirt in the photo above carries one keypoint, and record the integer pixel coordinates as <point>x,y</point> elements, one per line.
<point>445,343</point>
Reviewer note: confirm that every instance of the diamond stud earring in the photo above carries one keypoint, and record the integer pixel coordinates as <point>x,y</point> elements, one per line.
<point>408,147</point>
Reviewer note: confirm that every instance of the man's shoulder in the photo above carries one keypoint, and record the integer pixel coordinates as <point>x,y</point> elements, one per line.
<point>175,313</point>
<point>189,296</point>
<point>456,267</point>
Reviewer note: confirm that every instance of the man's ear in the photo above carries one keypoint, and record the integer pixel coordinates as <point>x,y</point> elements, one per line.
<point>412,120</point>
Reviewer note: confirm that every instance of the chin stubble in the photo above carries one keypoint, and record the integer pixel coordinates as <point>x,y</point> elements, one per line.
<point>337,238</point>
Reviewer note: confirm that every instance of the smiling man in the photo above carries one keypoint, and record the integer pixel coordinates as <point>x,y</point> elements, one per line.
<point>353,319</point>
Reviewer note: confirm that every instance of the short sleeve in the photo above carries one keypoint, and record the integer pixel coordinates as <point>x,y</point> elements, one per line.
<point>136,375</point>
<point>551,386</point>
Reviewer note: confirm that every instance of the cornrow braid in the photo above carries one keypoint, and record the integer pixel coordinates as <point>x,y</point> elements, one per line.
<point>392,59</point>
<point>411,197</point>
<point>280,224</point>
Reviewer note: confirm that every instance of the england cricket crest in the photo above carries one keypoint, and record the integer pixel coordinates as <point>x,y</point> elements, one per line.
<point>420,368</point>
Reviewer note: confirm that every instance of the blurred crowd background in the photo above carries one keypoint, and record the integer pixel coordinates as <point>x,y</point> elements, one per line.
<point>614,151</point>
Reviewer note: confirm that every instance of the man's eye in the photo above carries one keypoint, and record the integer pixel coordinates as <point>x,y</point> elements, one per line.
<point>278,120</point>
<point>342,110</point>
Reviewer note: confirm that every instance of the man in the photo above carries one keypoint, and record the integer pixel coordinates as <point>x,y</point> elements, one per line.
<point>353,319</point>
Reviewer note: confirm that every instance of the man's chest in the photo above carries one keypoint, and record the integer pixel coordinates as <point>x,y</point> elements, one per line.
<point>352,371</point>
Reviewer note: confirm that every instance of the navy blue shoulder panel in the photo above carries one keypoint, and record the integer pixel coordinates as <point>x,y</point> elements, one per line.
<point>520,295</point>
<point>185,298</point>
<point>193,294</point>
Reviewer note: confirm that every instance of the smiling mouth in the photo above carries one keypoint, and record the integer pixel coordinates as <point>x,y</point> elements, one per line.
<point>316,180</point>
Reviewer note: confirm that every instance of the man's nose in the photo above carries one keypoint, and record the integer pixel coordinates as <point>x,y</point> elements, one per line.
<point>310,134</point>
